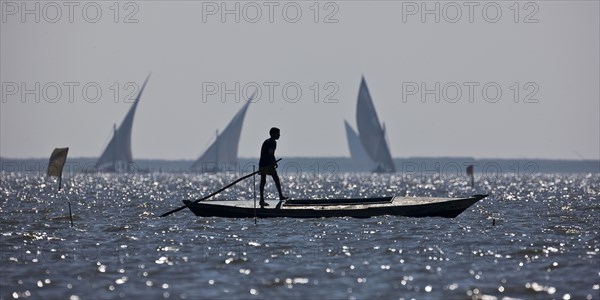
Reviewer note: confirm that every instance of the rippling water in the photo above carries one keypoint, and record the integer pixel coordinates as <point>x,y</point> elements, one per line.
<point>545,242</point>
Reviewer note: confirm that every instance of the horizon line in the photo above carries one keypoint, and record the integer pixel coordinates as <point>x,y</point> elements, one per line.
<point>332,157</point>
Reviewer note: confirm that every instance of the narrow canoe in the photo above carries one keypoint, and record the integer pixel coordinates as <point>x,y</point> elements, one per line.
<point>326,208</point>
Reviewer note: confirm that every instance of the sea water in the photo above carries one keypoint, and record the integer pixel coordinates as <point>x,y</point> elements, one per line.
<point>535,236</point>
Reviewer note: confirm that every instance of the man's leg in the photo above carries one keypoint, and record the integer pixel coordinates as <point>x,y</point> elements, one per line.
<point>278,185</point>
<point>263,181</point>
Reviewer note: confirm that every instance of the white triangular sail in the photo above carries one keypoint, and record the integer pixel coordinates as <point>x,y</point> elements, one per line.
<point>223,151</point>
<point>358,154</point>
<point>118,150</point>
<point>370,132</point>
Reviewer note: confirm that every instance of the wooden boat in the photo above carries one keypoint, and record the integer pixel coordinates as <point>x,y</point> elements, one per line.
<point>325,208</point>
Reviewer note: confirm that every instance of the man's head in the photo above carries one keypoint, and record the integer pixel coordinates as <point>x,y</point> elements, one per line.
<point>274,132</point>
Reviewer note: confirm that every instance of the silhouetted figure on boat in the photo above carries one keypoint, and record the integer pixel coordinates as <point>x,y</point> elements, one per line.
<point>267,165</point>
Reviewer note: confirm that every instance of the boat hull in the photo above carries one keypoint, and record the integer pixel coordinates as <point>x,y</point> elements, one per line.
<point>398,206</point>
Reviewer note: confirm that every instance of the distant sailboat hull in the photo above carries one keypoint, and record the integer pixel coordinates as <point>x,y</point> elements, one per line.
<point>356,208</point>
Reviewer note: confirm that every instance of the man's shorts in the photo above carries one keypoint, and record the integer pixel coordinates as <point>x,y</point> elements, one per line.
<point>268,170</point>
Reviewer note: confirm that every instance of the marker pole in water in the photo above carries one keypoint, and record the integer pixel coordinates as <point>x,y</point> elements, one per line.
<point>471,175</point>
<point>254,185</point>
<point>70,215</point>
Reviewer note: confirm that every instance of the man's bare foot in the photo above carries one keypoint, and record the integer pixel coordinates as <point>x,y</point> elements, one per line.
<point>283,198</point>
<point>263,204</point>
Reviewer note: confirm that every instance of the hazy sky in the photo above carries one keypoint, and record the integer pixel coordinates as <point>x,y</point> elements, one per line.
<point>512,81</point>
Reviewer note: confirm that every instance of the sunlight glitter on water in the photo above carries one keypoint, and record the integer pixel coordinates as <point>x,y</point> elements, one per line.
<point>546,231</point>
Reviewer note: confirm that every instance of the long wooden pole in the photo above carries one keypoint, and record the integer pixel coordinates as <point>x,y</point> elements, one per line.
<point>220,190</point>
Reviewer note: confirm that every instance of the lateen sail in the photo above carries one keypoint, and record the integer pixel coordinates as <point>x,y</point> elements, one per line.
<point>225,149</point>
<point>357,151</point>
<point>371,134</point>
<point>119,147</point>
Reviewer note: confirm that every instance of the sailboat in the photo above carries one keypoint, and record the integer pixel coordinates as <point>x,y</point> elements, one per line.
<point>371,134</point>
<point>222,153</point>
<point>117,155</point>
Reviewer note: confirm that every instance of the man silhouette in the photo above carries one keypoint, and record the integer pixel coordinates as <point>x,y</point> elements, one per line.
<point>267,165</point>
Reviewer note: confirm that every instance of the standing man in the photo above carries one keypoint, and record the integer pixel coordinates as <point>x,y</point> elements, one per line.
<point>267,165</point>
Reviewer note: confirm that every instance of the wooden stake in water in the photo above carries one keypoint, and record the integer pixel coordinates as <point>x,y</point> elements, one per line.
<point>254,185</point>
<point>470,174</point>
<point>70,214</point>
